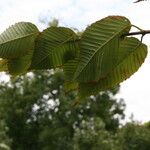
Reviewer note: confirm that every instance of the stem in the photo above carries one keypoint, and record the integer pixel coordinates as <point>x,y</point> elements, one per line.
<point>137,27</point>
<point>143,32</point>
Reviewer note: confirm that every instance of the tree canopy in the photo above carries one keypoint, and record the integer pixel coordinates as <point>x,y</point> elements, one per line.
<point>39,114</point>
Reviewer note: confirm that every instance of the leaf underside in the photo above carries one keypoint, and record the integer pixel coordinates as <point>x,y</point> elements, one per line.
<point>17,40</point>
<point>52,46</point>
<point>69,86</point>
<point>20,65</point>
<point>99,48</point>
<point>132,54</point>
<point>98,60</point>
<point>3,65</point>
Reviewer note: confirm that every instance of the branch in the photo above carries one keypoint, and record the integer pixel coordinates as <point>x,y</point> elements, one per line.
<point>138,1</point>
<point>143,32</point>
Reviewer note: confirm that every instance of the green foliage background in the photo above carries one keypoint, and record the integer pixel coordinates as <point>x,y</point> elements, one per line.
<point>39,115</point>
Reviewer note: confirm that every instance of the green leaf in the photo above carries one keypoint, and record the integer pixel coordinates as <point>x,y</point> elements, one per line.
<point>52,48</point>
<point>3,65</point>
<point>20,65</point>
<point>69,69</point>
<point>71,62</point>
<point>17,40</point>
<point>132,54</point>
<point>69,86</point>
<point>99,48</point>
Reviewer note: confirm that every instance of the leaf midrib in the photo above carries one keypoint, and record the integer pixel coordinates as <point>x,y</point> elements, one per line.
<point>21,37</point>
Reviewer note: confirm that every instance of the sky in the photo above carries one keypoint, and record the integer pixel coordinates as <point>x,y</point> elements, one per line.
<point>79,14</point>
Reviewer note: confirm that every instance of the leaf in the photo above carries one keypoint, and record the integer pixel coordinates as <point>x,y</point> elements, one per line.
<point>3,65</point>
<point>132,54</point>
<point>68,51</point>
<point>71,64</point>
<point>70,68</point>
<point>99,48</point>
<point>52,46</point>
<point>68,86</point>
<point>17,40</point>
<point>20,65</point>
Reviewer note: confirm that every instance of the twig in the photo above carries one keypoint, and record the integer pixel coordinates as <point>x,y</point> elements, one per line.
<point>143,32</point>
<point>138,1</point>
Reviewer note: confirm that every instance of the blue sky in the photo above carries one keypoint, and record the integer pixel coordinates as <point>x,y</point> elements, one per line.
<point>79,14</point>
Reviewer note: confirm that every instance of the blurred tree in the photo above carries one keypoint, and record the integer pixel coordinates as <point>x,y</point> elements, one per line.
<point>54,23</point>
<point>134,136</point>
<point>93,135</point>
<point>40,115</point>
<point>4,139</point>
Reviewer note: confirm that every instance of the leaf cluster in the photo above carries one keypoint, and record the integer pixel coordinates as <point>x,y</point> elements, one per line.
<point>99,59</point>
